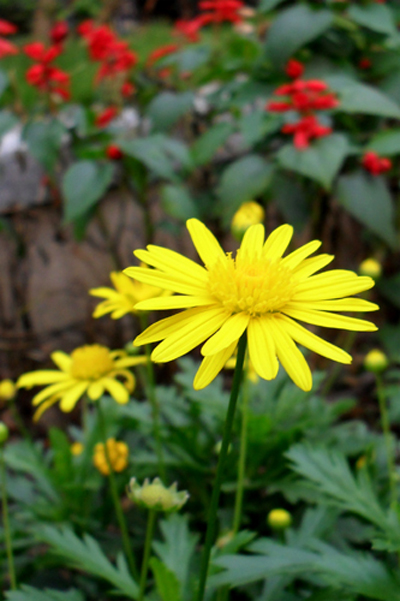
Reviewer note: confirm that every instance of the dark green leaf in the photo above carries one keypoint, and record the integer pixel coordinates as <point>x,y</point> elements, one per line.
<point>29,593</point>
<point>267,5</point>
<point>386,142</point>
<point>192,58</point>
<point>243,180</point>
<point>291,199</point>
<point>4,81</point>
<point>7,122</point>
<point>368,199</point>
<point>84,184</point>
<point>376,17</point>
<point>44,141</point>
<point>150,152</point>
<point>390,288</point>
<point>167,584</point>
<point>177,202</point>
<point>356,97</point>
<point>206,146</point>
<point>256,125</point>
<point>292,29</point>
<point>166,108</point>
<point>320,162</point>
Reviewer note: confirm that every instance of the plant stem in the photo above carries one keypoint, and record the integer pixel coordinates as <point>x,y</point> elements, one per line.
<point>385,423</point>
<point>212,516</point>
<point>116,500</point>
<point>6,523</point>
<point>155,407</point>
<point>237,516</point>
<point>146,553</point>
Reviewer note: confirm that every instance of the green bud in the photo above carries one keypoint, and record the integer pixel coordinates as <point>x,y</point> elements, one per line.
<point>279,519</point>
<point>3,433</point>
<point>376,361</point>
<point>154,495</point>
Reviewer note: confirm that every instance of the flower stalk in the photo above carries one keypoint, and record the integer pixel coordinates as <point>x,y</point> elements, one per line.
<point>6,523</point>
<point>237,516</point>
<point>146,553</point>
<point>226,439</point>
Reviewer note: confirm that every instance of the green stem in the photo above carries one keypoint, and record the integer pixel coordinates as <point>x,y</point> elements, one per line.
<point>385,423</point>
<point>237,516</point>
<point>146,553</point>
<point>116,500</point>
<point>212,516</point>
<point>6,523</point>
<point>155,407</point>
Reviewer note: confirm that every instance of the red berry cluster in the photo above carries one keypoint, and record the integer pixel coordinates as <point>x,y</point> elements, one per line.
<point>43,75</point>
<point>305,97</point>
<point>6,47</point>
<point>294,68</point>
<point>375,164</point>
<point>218,11</point>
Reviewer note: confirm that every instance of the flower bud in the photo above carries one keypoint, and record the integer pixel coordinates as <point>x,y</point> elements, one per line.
<point>370,267</point>
<point>279,519</point>
<point>154,495</point>
<point>3,433</point>
<point>376,361</point>
<point>118,454</point>
<point>7,390</point>
<point>76,448</point>
<point>249,213</point>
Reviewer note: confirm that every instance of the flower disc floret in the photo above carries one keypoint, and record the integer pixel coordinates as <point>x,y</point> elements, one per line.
<point>259,292</point>
<point>91,362</point>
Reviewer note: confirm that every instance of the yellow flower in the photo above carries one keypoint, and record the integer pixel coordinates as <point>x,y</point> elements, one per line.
<point>249,213</point>
<point>118,453</point>
<point>370,267</point>
<point>154,495</point>
<point>258,291</point>
<point>121,301</point>
<point>77,448</point>
<point>7,390</point>
<point>91,369</point>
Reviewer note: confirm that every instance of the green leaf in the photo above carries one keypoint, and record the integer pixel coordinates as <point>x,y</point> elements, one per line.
<point>390,288</point>
<point>62,458</point>
<point>4,81</point>
<point>167,584</point>
<point>291,199</point>
<point>85,183</point>
<point>190,59</point>
<point>368,199</point>
<point>150,151</point>
<point>256,125</point>
<point>7,122</point>
<point>356,97</point>
<point>178,547</point>
<point>206,146</point>
<point>44,141</point>
<point>386,142</point>
<point>177,202</point>
<point>243,180</point>
<point>292,29</point>
<point>376,17</point>
<point>166,108</point>
<point>320,162</point>
<point>267,5</point>
<point>29,593</point>
<point>87,555</point>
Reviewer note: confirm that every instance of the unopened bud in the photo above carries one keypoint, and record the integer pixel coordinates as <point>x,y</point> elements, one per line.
<point>154,495</point>
<point>279,519</point>
<point>376,361</point>
<point>7,390</point>
<point>249,213</point>
<point>370,267</point>
<point>3,433</point>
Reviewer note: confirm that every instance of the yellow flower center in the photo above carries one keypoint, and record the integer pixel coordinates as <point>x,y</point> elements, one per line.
<point>91,362</point>
<point>255,285</point>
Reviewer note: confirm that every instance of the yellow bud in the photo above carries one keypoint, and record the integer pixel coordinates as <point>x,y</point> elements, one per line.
<point>76,448</point>
<point>376,361</point>
<point>154,495</point>
<point>3,433</point>
<point>249,213</point>
<point>279,519</point>
<point>7,390</point>
<point>370,267</point>
<point>118,455</point>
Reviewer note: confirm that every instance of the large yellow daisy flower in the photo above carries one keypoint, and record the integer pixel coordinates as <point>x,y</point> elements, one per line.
<point>121,299</point>
<point>91,369</point>
<point>258,291</point>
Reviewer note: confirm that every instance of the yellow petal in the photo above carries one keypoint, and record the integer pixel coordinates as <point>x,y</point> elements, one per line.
<point>228,334</point>
<point>161,280</point>
<point>62,360</point>
<point>95,390</point>
<point>278,241</point>
<point>173,302</point>
<point>128,361</point>
<point>313,342</point>
<point>165,327</point>
<point>38,378</point>
<point>40,410</point>
<point>206,244</point>
<point>330,320</point>
<point>170,261</point>
<point>342,304</point>
<point>336,283</point>
<point>191,335</point>
<point>262,349</point>
<point>53,389</point>
<point>70,398</point>
<point>253,240</point>
<point>298,256</point>
<point>116,390</point>
<point>103,292</point>
<point>211,366</point>
<point>310,266</point>
<point>289,355</point>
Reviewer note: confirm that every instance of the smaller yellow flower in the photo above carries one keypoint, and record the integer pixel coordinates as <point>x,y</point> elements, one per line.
<point>370,267</point>
<point>118,454</point>
<point>249,213</point>
<point>127,293</point>
<point>76,448</point>
<point>376,361</point>
<point>154,495</point>
<point>279,519</point>
<point>7,390</point>
<point>92,369</point>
